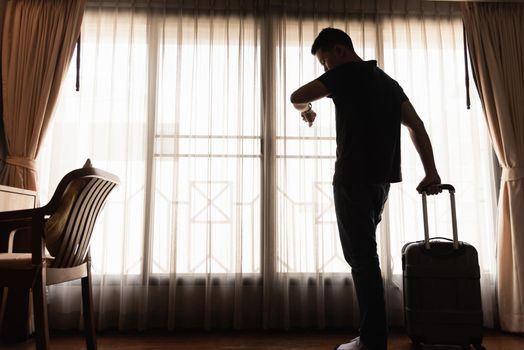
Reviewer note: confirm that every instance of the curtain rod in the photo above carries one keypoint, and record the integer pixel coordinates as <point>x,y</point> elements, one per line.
<point>321,7</point>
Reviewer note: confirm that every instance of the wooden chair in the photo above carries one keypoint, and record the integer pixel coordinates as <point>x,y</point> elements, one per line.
<point>72,259</point>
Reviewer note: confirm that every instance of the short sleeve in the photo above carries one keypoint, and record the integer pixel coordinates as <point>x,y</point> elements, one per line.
<point>393,88</point>
<point>333,80</point>
<point>399,92</point>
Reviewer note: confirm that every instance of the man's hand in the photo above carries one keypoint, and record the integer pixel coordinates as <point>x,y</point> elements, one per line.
<point>309,116</point>
<point>302,98</point>
<point>429,184</point>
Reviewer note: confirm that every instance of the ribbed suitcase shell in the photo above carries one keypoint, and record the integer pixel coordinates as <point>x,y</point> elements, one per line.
<point>442,298</point>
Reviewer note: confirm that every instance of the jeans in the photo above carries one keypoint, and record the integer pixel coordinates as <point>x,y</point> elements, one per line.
<point>359,208</point>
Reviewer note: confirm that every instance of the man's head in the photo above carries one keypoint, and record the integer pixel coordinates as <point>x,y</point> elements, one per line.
<point>332,47</point>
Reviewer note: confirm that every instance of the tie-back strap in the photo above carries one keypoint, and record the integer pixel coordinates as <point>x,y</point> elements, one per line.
<point>22,162</point>
<point>510,174</point>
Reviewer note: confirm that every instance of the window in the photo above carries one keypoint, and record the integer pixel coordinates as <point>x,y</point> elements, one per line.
<point>207,146</point>
<point>174,103</point>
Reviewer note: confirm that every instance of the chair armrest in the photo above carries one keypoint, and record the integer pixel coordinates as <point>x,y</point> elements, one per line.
<point>12,221</point>
<point>8,229</point>
<point>18,214</point>
<point>19,220</point>
<point>31,221</point>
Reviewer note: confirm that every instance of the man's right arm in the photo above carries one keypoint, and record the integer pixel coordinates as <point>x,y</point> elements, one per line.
<point>307,93</point>
<point>420,138</point>
<point>303,96</point>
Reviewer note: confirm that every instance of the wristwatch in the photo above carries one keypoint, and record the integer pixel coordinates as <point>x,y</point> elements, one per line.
<point>309,106</point>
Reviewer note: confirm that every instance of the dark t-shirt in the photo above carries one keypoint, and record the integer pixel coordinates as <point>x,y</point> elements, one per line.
<point>367,103</point>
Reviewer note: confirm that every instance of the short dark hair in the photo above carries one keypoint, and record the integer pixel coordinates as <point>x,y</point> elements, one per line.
<point>328,38</point>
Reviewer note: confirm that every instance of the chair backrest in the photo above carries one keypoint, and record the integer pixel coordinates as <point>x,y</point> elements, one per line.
<point>78,228</point>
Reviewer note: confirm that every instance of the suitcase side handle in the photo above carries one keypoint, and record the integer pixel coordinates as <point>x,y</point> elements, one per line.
<point>451,190</point>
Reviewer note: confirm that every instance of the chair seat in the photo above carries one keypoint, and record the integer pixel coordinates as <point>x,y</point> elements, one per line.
<point>15,260</point>
<point>16,269</point>
<point>18,260</point>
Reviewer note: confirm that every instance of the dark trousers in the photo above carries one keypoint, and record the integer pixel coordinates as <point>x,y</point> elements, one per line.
<point>359,208</point>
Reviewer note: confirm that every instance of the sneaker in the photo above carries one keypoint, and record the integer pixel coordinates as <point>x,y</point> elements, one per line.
<point>354,344</point>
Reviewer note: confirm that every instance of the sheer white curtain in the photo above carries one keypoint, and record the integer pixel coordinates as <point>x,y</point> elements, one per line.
<point>225,213</point>
<point>423,50</point>
<point>170,101</point>
<point>426,56</point>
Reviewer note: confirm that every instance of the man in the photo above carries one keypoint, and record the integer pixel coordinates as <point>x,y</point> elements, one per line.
<point>370,107</point>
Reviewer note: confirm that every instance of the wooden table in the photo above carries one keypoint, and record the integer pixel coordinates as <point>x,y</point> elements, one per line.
<point>12,198</point>
<point>15,325</point>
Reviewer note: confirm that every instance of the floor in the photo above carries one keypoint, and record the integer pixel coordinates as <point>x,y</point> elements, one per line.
<point>233,340</point>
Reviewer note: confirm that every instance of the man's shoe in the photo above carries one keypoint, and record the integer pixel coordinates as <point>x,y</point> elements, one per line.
<point>354,344</point>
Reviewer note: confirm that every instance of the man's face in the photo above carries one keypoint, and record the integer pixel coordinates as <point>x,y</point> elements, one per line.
<point>328,59</point>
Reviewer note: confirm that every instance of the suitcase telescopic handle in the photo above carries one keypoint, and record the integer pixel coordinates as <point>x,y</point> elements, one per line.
<point>451,190</point>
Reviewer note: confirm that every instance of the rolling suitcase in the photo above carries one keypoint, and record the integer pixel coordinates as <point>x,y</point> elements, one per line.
<point>441,278</point>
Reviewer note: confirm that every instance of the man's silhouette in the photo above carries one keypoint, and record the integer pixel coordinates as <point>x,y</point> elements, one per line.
<point>370,107</point>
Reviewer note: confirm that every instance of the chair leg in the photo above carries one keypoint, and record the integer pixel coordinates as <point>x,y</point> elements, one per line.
<point>87,305</point>
<point>40,311</point>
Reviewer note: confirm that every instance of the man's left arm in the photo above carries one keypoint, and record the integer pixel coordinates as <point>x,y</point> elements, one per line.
<point>420,138</point>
